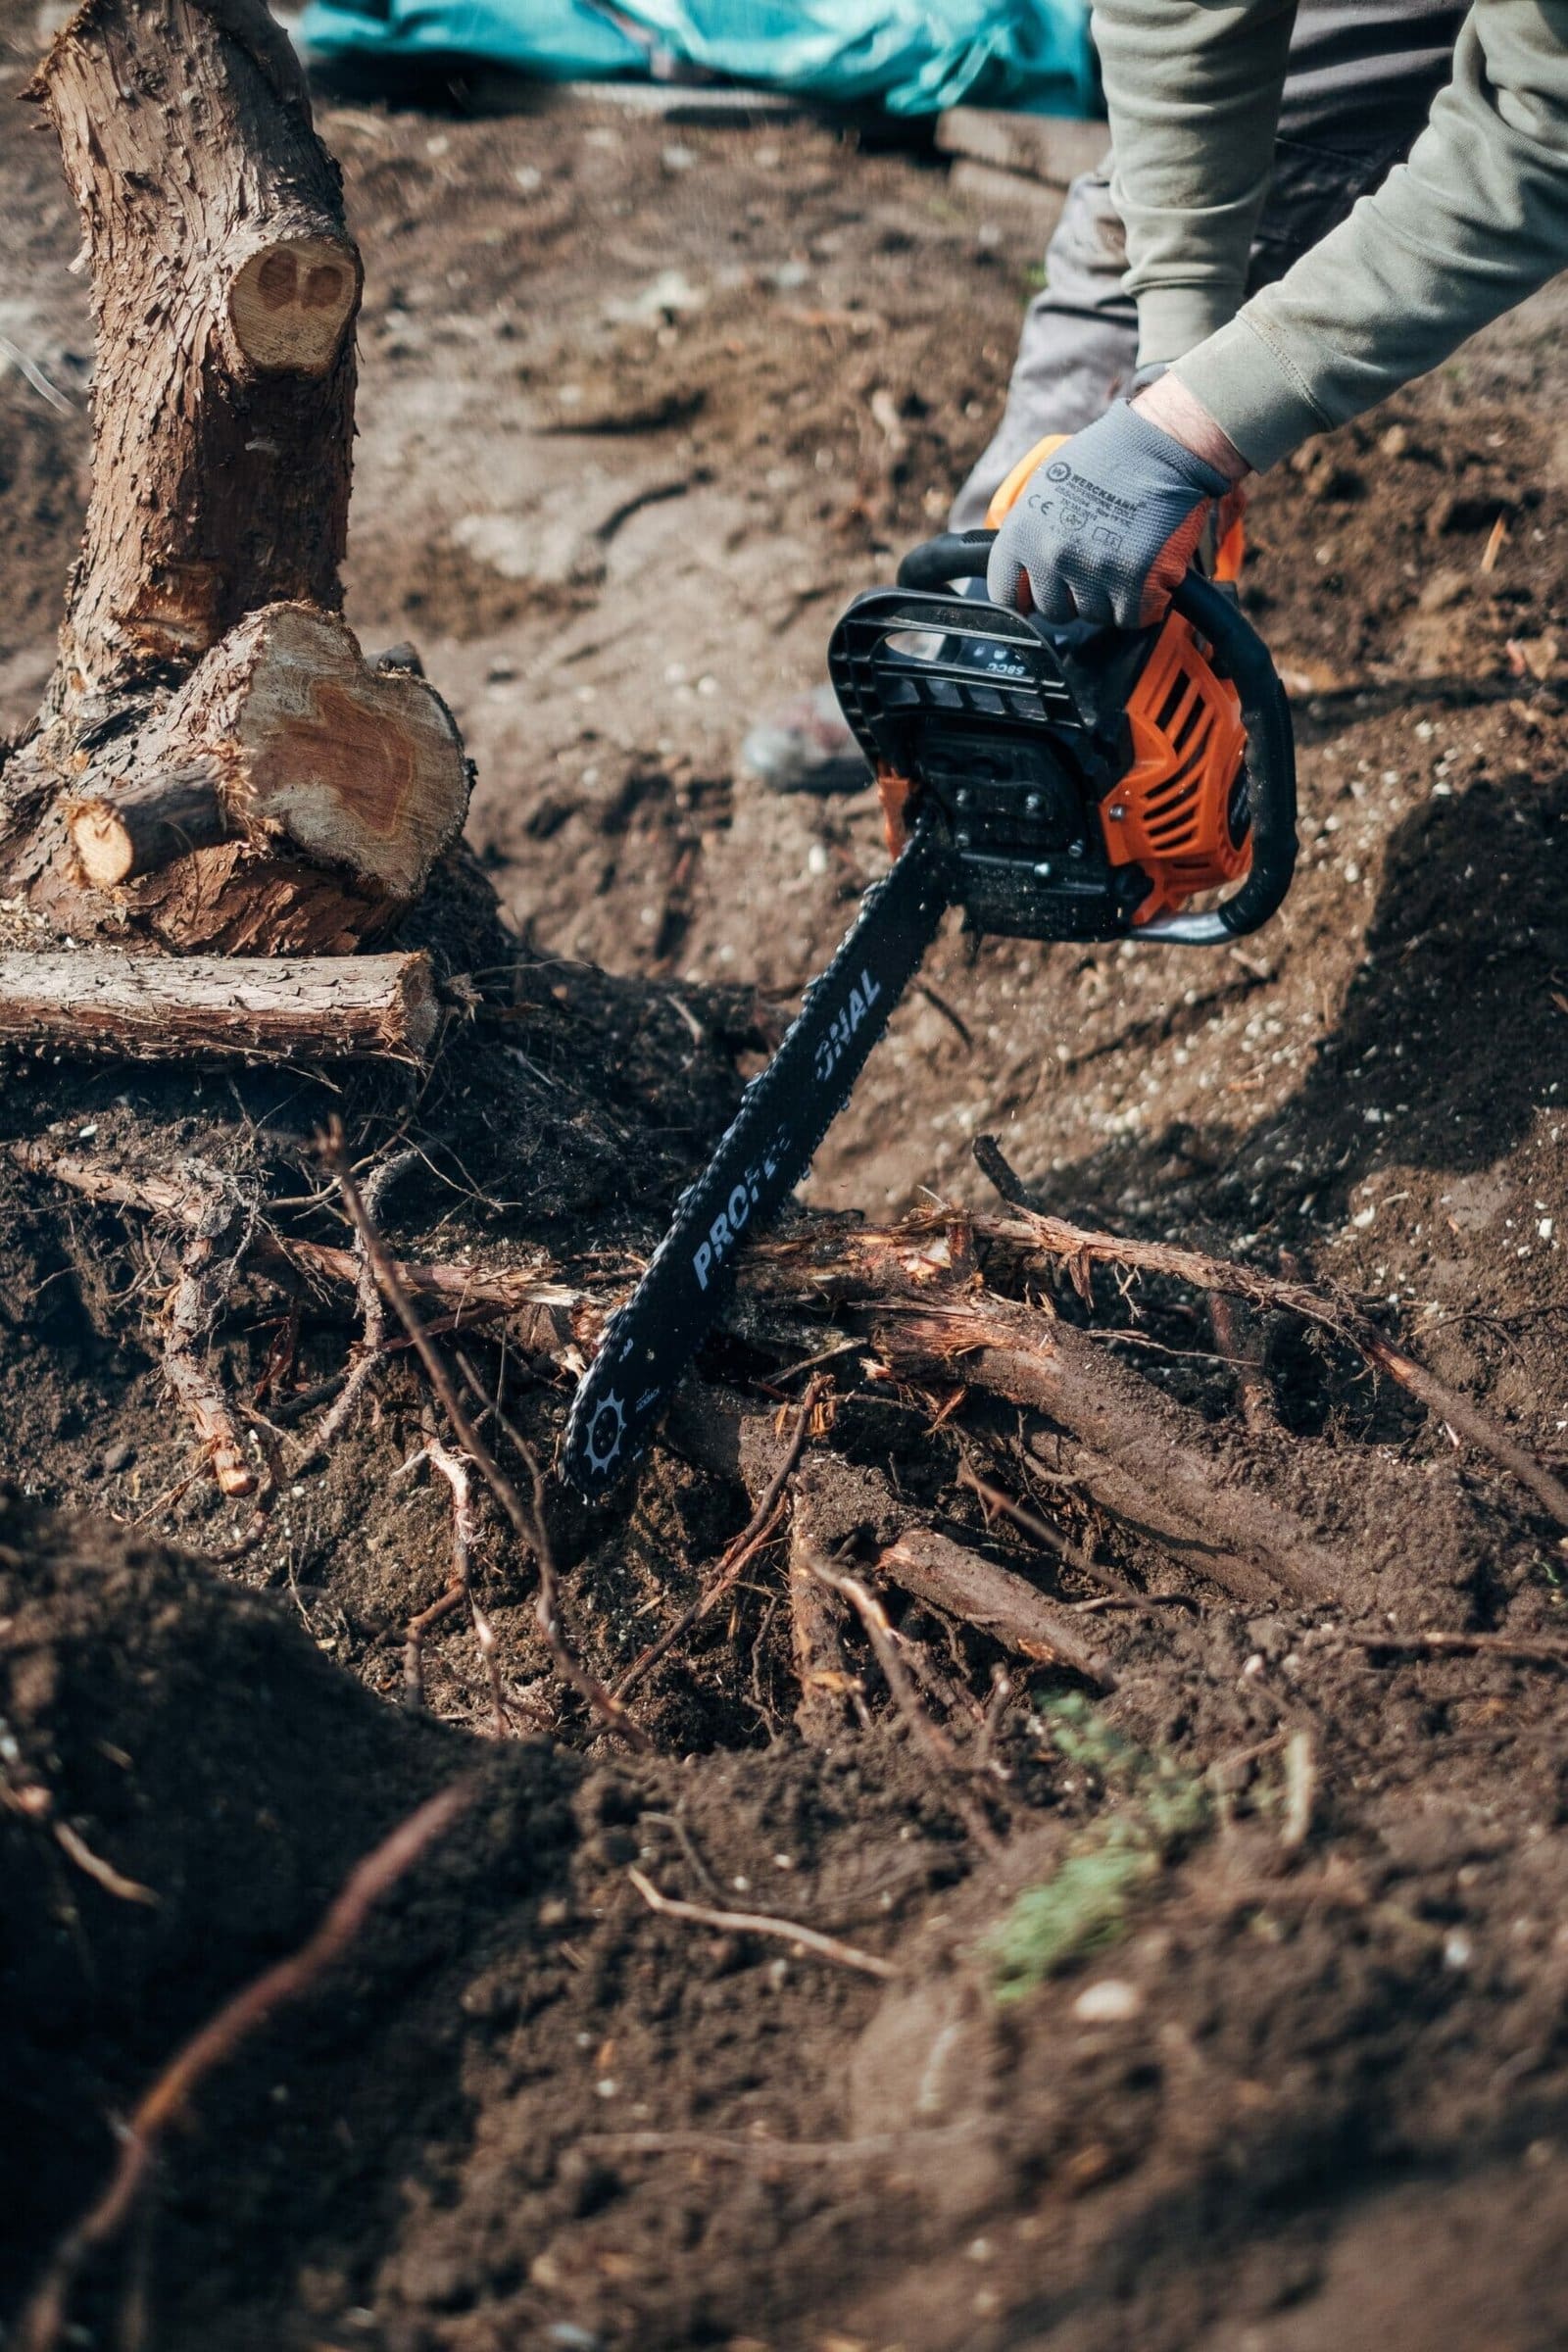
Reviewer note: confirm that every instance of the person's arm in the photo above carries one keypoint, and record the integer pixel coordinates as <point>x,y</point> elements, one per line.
<point>1193,91</point>
<point>1476,221</point>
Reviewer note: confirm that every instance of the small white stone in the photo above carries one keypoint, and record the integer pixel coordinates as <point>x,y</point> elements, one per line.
<point>1458,1950</point>
<point>1111,2001</point>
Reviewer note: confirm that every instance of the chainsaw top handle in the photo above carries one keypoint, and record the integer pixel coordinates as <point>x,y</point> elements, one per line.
<point>1240,655</point>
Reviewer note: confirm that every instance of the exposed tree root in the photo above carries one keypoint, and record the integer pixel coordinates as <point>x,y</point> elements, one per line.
<point>527,1525</point>
<point>1083,1249</point>
<point>189,1321</point>
<point>454,1468</point>
<point>924,1731</point>
<point>814,1643</point>
<point>372,1311</point>
<point>23,1792</point>
<point>954,1578</point>
<point>1436,1644</point>
<point>762,1923</point>
<point>929,1312</point>
<point>1152,1464</point>
<point>759,1530</point>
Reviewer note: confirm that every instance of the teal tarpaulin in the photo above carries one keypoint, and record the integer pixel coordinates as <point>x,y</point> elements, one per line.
<point>912,57</point>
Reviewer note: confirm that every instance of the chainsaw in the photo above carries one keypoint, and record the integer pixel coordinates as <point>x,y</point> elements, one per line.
<point>1057,782</point>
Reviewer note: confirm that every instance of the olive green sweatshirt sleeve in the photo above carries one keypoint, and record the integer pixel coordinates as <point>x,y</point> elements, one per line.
<point>1193,93</point>
<point>1474,222</point>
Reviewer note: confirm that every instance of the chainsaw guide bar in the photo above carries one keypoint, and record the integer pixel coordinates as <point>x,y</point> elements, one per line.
<point>765,1154</point>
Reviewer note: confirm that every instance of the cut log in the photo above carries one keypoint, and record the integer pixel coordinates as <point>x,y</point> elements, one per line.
<point>102,1000</point>
<point>287,757</point>
<point>215,762</point>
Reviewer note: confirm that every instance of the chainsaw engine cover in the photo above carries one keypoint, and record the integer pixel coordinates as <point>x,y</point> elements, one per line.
<point>1087,779</point>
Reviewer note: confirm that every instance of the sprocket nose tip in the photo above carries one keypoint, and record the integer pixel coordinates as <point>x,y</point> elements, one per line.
<point>605,1435</point>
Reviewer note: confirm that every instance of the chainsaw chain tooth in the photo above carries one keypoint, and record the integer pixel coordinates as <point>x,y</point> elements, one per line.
<point>764,1152</point>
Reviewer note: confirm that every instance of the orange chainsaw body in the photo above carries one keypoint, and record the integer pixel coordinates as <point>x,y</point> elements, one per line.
<point>1175,813</point>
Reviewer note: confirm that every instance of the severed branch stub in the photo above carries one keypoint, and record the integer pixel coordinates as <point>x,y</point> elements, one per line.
<point>86,1003</point>
<point>151,822</point>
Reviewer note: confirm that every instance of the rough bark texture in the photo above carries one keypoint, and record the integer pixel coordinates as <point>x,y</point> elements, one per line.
<point>1146,1458</point>
<point>104,1001</point>
<point>213,749</point>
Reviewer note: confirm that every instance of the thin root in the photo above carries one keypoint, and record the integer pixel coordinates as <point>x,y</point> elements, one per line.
<point>43,2321</point>
<point>529,1527</point>
<point>762,1923</point>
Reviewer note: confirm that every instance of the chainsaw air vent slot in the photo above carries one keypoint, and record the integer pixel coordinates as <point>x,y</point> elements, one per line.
<point>1172,809</point>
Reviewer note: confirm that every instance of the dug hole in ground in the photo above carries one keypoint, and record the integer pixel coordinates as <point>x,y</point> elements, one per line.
<point>1154,1710</point>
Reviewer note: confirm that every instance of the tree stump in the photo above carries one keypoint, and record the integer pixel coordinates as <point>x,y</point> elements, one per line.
<point>215,765</point>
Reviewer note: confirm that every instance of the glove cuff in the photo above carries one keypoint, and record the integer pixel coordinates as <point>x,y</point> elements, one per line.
<point>1174,456</point>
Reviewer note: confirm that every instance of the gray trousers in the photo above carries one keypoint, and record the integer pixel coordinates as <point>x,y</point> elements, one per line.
<point>1360,82</point>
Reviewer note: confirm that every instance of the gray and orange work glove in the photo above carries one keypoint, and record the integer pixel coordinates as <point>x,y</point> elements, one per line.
<point>1104,530</point>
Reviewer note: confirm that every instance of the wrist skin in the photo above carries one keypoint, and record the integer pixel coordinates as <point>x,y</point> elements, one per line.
<point>1170,405</point>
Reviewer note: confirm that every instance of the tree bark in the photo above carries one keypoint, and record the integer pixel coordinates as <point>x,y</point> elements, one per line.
<point>140,1007</point>
<point>215,764</point>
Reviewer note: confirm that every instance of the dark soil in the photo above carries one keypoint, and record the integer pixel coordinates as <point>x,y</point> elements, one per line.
<point>641,408</point>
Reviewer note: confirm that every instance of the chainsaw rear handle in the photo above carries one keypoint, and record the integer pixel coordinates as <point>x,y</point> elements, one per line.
<point>1240,655</point>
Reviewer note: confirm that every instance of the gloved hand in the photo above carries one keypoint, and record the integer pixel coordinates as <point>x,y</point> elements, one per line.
<point>1106,528</point>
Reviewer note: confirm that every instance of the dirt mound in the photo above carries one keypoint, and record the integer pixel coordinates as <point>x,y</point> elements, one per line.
<point>200,1747</point>
<point>524,2112</point>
